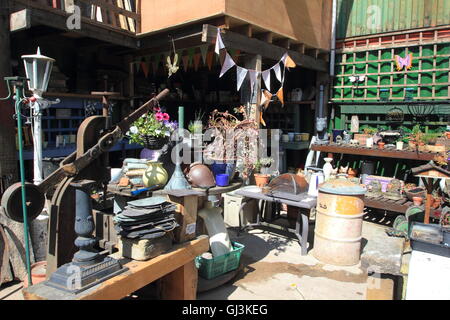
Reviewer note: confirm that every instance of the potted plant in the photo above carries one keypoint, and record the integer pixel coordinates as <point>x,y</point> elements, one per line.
<point>152,131</point>
<point>415,138</point>
<point>235,140</point>
<point>368,132</point>
<point>196,129</point>
<point>262,175</point>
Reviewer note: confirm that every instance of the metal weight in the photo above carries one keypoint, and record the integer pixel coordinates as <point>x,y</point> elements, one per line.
<point>11,200</point>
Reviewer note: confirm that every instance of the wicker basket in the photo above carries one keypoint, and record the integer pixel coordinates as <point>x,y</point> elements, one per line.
<point>154,143</point>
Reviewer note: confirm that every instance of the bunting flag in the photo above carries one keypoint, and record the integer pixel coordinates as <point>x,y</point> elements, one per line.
<point>227,64</point>
<point>277,70</point>
<point>145,68</point>
<point>266,78</point>
<point>197,58</point>
<point>137,66</point>
<point>185,60</point>
<point>210,60</point>
<point>289,63</point>
<point>204,52</point>
<point>280,95</point>
<point>266,99</point>
<point>155,63</point>
<point>241,75</point>
<point>191,52</point>
<point>219,42</point>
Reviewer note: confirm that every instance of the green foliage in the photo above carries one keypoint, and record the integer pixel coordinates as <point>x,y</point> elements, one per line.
<point>151,124</point>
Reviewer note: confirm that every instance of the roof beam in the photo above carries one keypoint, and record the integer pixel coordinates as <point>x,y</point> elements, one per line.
<point>58,20</point>
<point>255,46</point>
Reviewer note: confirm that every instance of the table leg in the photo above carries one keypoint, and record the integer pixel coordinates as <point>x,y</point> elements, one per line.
<point>180,284</point>
<point>302,219</point>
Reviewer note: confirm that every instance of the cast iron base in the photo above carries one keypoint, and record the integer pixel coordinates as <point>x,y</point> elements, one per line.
<point>75,278</point>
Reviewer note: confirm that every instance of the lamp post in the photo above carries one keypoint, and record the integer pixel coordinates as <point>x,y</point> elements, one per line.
<point>38,69</point>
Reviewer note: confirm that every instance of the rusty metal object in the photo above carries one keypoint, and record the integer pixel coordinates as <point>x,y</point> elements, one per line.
<point>288,186</point>
<point>200,176</point>
<point>11,199</point>
<point>74,164</point>
<point>339,218</point>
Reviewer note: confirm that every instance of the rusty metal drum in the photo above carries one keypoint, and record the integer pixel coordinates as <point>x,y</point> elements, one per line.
<point>337,234</point>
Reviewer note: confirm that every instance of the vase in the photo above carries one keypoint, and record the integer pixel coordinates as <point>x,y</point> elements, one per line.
<point>226,167</point>
<point>327,168</point>
<point>155,174</point>
<point>262,180</point>
<point>399,145</point>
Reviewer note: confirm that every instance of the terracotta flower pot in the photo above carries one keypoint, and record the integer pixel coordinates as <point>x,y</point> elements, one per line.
<point>417,201</point>
<point>381,145</point>
<point>38,273</point>
<point>262,180</point>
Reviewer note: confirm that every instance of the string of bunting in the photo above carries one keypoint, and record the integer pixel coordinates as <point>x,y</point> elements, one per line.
<point>193,57</point>
<point>242,73</point>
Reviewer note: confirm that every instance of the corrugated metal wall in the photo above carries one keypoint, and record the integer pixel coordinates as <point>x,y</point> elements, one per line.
<point>366,17</point>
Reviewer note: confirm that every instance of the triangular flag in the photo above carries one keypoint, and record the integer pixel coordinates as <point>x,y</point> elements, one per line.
<point>204,52</point>
<point>210,59</point>
<point>227,65</point>
<point>219,42</point>
<point>284,57</point>
<point>137,66</point>
<point>289,63</point>
<point>144,66</point>
<point>277,70</point>
<point>241,74</point>
<point>253,74</point>
<point>280,95</point>
<point>197,58</point>
<point>266,78</point>
<point>191,52</point>
<point>185,60</point>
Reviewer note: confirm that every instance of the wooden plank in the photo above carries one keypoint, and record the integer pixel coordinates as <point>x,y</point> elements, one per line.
<point>131,22</point>
<point>180,284</point>
<point>255,46</point>
<point>364,151</point>
<point>140,274</point>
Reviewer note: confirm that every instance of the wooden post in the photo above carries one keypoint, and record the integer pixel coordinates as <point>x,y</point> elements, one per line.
<point>181,284</point>
<point>8,153</point>
<point>188,207</point>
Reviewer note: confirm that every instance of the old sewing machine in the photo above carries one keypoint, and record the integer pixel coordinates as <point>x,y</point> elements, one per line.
<point>71,223</point>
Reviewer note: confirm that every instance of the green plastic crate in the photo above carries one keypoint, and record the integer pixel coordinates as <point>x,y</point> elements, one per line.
<point>212,268</point>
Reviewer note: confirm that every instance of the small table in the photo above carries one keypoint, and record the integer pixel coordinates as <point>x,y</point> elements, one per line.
<point>302,223</point>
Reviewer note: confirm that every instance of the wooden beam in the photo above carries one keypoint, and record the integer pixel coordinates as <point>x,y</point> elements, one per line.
<point>246,30</point>
<point>284,43</point>
<point>237,41</point>
<point>58,19</point>
<point>181,284</point>
<point>299,47</point>
<point>265,36</point>
<point>312,52</point>
<point>20,20</point>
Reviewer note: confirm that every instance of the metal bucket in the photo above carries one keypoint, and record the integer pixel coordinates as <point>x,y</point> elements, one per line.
<point>337,234</point>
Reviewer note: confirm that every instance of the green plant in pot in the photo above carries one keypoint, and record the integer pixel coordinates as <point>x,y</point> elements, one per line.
<point>262,175</point>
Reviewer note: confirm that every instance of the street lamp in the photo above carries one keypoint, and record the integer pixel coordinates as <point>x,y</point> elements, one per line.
<point>38,69</point>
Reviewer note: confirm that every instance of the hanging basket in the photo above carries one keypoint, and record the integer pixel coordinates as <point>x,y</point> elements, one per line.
<point>154,143</point>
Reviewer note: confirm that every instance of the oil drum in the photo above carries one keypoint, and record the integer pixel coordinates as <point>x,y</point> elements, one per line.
<point>337,234</point>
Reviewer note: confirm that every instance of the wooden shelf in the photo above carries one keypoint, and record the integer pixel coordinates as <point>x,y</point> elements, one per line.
<point>81,96</point>
<point>373,152</point>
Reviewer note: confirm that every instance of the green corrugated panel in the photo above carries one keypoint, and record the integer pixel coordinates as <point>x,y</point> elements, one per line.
<point>395,15</point>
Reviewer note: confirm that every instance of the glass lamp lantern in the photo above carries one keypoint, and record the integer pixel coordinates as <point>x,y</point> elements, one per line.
<point>38,69</point>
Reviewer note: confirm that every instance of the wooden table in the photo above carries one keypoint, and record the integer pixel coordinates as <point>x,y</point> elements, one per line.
<point>302,223</point>
<point>176,269</point>
<point>375,152</point>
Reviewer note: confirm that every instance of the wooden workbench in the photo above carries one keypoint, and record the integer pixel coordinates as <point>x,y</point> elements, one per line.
<point>176,269</point>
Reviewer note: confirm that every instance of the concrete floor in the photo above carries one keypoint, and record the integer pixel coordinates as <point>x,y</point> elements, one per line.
<point>273,268</point>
